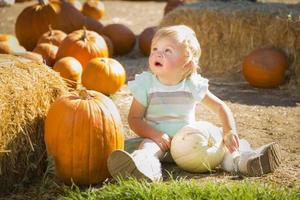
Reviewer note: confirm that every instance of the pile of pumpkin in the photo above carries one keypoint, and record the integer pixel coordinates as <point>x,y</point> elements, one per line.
<point>83,127</point>
<point>74,43</point>
<point>68,37</point>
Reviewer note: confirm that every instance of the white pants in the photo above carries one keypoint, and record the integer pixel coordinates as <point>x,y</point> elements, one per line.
<point>245,152</point>
<point>149,147</point>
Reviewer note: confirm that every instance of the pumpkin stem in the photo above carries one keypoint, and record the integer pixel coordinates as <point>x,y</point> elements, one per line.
<point>50,30</point>
<point>210,141</point>
<point>84,35</point>
<point>83,93</point>
<point>43,2</point>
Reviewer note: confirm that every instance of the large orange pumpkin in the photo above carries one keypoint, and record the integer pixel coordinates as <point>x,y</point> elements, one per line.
<point>83,45</point>
<point>70,69</point>
<point>81,131</point>
<point>145,40</point>
<point>105,75</point>
<point>122,37</point>
<point>33,21</point>
<point>93,8</point>
<point>265,67</point>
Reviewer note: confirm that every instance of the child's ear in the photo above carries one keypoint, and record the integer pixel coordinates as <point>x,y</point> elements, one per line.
<point>188,65</point>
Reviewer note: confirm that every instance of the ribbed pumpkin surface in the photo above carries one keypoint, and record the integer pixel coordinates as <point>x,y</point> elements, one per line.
<point>81,131</point>
<point>83,45</point>
<point>104,75</point>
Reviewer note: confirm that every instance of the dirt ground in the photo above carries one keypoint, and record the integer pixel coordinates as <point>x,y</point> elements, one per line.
<point>262,115</point>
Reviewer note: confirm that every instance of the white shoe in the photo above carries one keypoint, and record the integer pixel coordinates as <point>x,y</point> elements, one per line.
<point>139,165</point>
<point>261,161</point>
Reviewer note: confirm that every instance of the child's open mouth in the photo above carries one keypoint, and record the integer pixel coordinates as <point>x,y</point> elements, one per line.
<point>158,64</point>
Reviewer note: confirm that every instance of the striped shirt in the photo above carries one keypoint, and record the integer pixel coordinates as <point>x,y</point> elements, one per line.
<point>168,108</point>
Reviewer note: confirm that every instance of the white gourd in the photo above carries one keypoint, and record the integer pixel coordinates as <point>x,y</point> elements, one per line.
<point>198,147</point>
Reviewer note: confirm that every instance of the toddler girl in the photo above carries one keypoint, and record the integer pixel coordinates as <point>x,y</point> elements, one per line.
<point>164,101</point>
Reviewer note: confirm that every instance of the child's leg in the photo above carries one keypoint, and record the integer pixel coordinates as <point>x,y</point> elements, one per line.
<point>143,163</point>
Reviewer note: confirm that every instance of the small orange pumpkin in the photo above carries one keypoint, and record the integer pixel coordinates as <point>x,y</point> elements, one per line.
<point>83,45</point>
<point>9,47</point>
<point>265,67</point>
<point>81,131</point>
<point>9,39</point>
<point>54,37</point>
<point>70,69</point>
<point>48,52</point>
<point>93,8</point>
<point>145,40</point>
<point>122,37</point>
<point>104,75</point>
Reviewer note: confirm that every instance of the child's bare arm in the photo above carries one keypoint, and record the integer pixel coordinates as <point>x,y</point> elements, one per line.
<point>225,115</point>
<point>140,127</point>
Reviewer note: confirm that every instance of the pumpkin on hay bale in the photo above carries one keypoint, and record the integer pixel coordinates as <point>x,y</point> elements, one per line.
<point>70,69</point>
<point>48,52</point>
<point>9,38</point>
<point>228,31</point>
<point>26,91</point>
<point>10,45</point>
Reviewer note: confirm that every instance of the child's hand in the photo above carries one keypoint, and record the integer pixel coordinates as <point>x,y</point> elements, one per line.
<point>163,141</point>
<point>231,141</point>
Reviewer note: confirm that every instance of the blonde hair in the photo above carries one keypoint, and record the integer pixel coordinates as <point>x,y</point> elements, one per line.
<point>185,36</point>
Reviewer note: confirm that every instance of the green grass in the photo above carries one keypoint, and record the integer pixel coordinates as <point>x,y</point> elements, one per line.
<point>181,189</point>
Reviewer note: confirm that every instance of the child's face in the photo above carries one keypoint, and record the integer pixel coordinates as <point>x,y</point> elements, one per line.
<point>167,60</point>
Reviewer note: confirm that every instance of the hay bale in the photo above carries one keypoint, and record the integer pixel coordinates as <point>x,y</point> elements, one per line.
<point>228,31</point>
<point>26,91</point>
